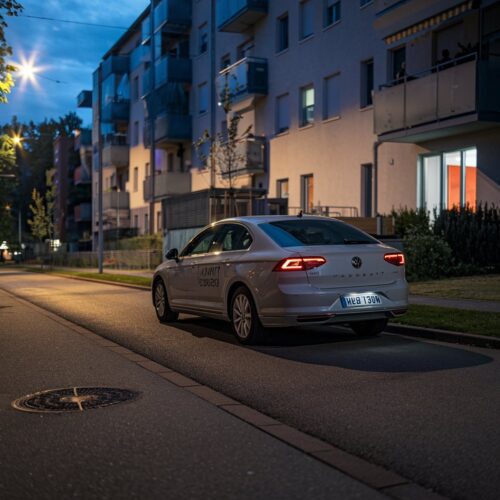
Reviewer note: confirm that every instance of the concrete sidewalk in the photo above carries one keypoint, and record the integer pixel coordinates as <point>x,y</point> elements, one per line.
<point>167,444</point>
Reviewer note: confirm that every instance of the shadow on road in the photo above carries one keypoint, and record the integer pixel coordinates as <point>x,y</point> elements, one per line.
<point>330,346</point>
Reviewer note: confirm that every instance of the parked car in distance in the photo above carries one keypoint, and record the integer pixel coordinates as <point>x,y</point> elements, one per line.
<point>277,271</point>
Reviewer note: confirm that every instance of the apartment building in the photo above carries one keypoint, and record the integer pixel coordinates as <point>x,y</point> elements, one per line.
<point>352,108</point>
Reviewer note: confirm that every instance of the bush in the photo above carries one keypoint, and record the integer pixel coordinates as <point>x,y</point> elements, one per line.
<point>428,256</point>
<point>473,236</point>
<point>406,219</point>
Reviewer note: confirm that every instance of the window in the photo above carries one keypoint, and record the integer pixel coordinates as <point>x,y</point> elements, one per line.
<point>332,12</point>
<point>136,221</point>
<point>225,61</point>
<point>158,220</point>
<point>136,180</point>
<point>307,193</point>
<point>306,19</point>
<point>203,38</point>
<point>135,88</point>
<point>282,188</point>
<point>170,162</point>
<point>231,237</point>
<point>282,32</point>
<point>306,105</point>
<point>298,232</point>
<point>447,180</point>
<point>366,83</point>
<point>398,63</point>
<point>203,98</point>
<point>366,189</point>
<point>203,243</point>
<point>146,223</point>
<point>135,132</point>
<point>282,114</point>
<point>146,169</point>
<point>331,97</point>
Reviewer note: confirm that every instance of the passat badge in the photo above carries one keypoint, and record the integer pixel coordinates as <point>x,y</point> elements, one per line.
<point>356,262</point>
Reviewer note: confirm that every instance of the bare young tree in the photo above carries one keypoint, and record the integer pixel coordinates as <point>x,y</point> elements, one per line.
<point>225,155</point>
<point>42,208</point>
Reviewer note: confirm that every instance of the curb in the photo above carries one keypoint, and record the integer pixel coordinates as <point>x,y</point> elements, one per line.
<point>380,479</point>
<point>444,335</point>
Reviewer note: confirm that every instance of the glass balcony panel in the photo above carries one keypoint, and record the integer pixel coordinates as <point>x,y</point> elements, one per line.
<point>172,15</point>
<point>252,156</point>
<point>146,29</point>
<point>116,200</point>
<point>172,69</point>
<point>167,184</point>
<point>238,15</point>
<point>245,77</point>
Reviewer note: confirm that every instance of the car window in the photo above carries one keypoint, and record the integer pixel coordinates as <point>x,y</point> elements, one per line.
<point>233,237</point>
<point>299,232</point>
<point>202,243</point>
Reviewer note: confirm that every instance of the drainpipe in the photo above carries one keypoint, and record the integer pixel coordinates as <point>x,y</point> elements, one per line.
<point>376,146</point>
<point>213,105</point>
<point>152,155</point>
<point>100,235</point>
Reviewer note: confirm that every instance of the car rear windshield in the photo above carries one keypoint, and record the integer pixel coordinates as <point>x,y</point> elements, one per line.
<point>304,232</point>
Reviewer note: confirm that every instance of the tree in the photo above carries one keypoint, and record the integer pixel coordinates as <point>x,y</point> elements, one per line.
<point>8,8</point>
<point>42,208</point>
<point>7,184</point>
<point>225,156</point>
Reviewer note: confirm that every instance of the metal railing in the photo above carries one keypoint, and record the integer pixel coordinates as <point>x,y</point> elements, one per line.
<point>326,210</point>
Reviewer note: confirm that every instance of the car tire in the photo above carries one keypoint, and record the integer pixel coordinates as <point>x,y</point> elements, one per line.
<point>160,301</point>
<point>369,328</point>
<point>245,321</point>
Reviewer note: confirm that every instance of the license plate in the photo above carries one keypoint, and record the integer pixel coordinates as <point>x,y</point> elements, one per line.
<point>360,300</point>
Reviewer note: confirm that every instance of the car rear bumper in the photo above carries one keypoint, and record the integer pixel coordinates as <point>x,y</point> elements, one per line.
<point>303,304</point>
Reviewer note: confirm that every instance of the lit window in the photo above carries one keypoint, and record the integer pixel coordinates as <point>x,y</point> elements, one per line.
<point>306,105</point>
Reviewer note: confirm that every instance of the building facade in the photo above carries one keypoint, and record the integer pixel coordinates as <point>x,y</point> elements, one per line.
<point>348,108</point>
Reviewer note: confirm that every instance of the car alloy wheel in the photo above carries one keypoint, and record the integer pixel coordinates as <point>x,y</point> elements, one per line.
<point>244,319</point>
<point>160,301</point>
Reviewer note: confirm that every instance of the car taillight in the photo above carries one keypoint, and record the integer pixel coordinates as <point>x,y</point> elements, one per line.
<point>396,259</point>
<point>299,263</point>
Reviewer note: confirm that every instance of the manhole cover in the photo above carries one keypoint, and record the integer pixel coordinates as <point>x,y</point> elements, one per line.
<point>73,399</point>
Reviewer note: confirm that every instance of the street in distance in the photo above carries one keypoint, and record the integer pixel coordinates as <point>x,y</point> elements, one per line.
<point>277,271</point>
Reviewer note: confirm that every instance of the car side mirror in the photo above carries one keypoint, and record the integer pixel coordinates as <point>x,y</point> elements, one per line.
<point>173,254</point>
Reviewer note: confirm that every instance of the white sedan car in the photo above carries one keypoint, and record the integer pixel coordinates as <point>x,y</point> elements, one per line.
<point>278,271</point>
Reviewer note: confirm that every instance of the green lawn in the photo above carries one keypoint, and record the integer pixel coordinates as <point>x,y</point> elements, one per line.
<point>458,320</point>
<point>485,287</point>
<point>115,278</point>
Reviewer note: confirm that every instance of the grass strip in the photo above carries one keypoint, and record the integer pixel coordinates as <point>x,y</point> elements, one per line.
<point>457,320</point>
<point>485,287</point>
<point>113,278</point>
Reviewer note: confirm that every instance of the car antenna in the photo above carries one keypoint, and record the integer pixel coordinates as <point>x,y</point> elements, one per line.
<point>300,215</point>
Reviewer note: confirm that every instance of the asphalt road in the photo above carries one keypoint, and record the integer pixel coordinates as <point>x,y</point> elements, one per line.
<point>426,410</point>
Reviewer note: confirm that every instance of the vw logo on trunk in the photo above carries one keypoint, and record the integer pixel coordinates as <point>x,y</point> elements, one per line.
<point>356,262</point>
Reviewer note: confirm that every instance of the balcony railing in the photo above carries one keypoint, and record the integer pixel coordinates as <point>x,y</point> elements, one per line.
<point>172,69</point>
<point>251,158</point>
<point>115,64</point>
<point>84,99</point>
<point>116,110</point>
<point>146,30</point>
<point>172,15</point>
<point>169,127</point>
<point>237,16</point>
<point>139,55</point>
<point>83,212</point>
<point>115,151</point>
<point>118,200</point>
<point>81,176</point>
<point>245,78</point>
<point>167,184</point>
<point>446,91</point>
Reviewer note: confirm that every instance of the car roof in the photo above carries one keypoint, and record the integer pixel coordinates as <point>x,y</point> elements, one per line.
<point>259,219</point>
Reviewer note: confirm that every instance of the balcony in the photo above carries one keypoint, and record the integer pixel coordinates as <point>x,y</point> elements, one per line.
<point>172,69</point>
<point>236,16</point>
<point>252,151</point>
<point>169,127</point>
<point>84,99</point>
<point>452,98</point>
<point>116,110</point>
<point>140,55</point>
<point>245,79</point>
<point>115,152</point>
<point>173,16</point>
<point>146,30</point>
<point>83,212</point>
<point>81,176</point>
<point>115,200</point>
<point>167,184</point>
<point>115,64</point>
